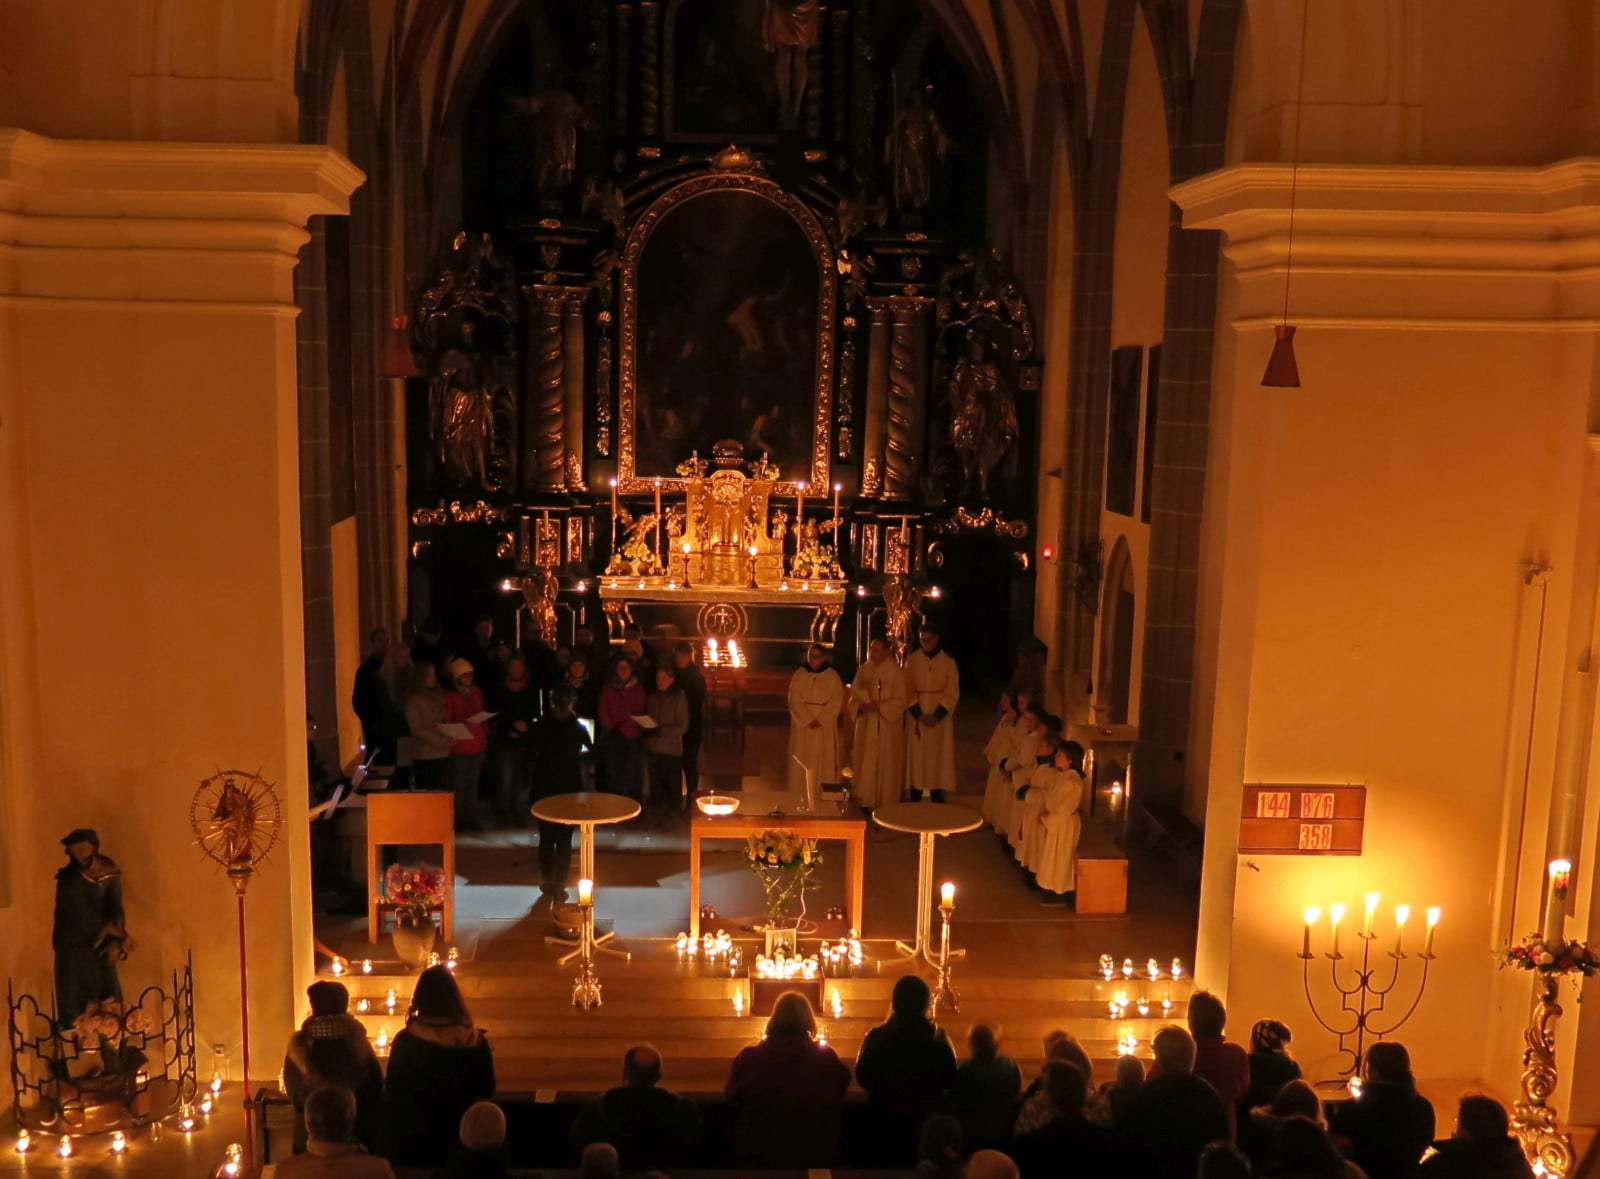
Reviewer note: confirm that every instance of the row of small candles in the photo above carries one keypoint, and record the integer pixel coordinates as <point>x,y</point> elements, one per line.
<point>1117,1008</point>
<point>341,966</point>
<point>835,1004</point>
<point>1152,968</point>
<point>1402,914</point>
<point>188,1118</point>
<point>724,654</point>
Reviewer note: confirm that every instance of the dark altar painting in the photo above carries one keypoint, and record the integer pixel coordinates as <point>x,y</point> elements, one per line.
<point>721,81</point>
<point>727,313</point>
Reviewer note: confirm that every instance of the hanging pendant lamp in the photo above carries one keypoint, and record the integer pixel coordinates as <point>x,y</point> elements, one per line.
<point>1282,371</point>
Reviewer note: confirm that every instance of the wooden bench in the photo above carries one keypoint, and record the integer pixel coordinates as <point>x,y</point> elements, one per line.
<point>1102,872</point>
<point>1167,828</point>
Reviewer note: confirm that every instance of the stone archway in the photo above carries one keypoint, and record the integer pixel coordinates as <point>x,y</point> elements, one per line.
<point>1114,681</point>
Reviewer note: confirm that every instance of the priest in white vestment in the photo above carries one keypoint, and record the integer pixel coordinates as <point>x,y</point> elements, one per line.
<point>933,687</point>
<point>1057,867</point>
<point>877,704</point>
<point>816,696</point>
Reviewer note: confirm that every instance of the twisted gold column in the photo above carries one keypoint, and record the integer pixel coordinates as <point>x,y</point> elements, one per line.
<point>1532,1119</point>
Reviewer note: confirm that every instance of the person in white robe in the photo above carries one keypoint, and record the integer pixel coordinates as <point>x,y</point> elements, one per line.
<point>933,688</point>
<point>877,705</point>
<point>997,785</point>
<point>1019,765</point>
<point>1030,810</point>
<point>1057,869</point>
<point>816,697</point>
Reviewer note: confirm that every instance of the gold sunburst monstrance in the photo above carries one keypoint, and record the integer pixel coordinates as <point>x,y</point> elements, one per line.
<point>236,819</point>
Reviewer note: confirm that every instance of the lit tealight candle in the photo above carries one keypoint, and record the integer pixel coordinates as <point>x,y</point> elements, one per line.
<point>65,1148</point>
<point>1354,1086</point>
<point>363,1006</point>
<point>1427,937</point>
<point>390,1000</point>
<point>738,1003</point>
<point>186,1118</point>
<point>452,958</point>
<point>382,1042</point>
<point>1372,908</point>
<point>1336,915</point>
<point>1127,968</point>
<point>338,967</point>
<point>585,892</point>
<point>1153,969</point>
<point>1166,1007</point>
<point>836,1004</point>
<point>1313,914</point>
<point>366,966</point>
<point>216,1082</point>
<point>1177,968</point>
<point>206,1105</point>
<point>119,1142</point>
<point>947,896</point>
<point>24,1142</point>
<point>1401,913</point>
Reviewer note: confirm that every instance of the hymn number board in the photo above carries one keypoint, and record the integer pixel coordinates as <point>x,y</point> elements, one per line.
<point>1302,820</point>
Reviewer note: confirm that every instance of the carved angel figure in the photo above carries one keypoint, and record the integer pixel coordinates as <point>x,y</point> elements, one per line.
<point>983,414</point>
<point>916,142</point>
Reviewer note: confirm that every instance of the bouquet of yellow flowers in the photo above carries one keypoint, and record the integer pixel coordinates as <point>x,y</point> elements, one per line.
<point>782,861</point>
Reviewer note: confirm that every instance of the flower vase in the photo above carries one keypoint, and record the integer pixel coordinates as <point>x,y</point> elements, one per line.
<point>414,937</point>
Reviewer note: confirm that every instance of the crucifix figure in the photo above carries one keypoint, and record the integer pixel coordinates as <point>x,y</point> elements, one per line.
<point>789,30</point>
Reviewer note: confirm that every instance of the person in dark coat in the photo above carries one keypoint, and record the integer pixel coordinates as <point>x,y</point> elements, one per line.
<point>1390,1124</point>
<point>515,700</point>
<point>619,740</point>
<point>559,742</point>
<point>1482,1147</point>
<point>1068,1137</point>
<point>986,1091</point>
<point>905,1066</point>
<point>1173,1116</point>
<point>1271,1066</point>
<point>787,1091</point>
<point>90,932</point>
<point>693,683</point>
<point>440,1064</point>
<point>366,695</point>
<point>331,1048</point>
<point>651,1127</point>
<point>585,685</point>
<point>1260,1130</point>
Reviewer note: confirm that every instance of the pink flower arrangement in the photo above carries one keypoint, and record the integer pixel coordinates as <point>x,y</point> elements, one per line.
<point>414,891</point>
<point>107,1020</point>
<point>1565,958</point>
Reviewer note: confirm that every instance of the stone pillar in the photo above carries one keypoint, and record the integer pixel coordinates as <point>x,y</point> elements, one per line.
<point>149,489</point>
<point>572,371</point>
<point>541,459</point>
<point>877,400</point>
<point>908,395</point>
<point>1362,584</point>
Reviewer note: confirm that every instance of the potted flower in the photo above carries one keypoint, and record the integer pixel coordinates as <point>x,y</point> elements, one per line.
<point>102,1054</point>
<point>414,893</point>
<point>783,862</point>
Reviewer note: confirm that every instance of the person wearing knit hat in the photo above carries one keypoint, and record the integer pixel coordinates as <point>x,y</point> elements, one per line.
<point>1271,1066</point>
<point>481,1153</point>
<point>463,705</point>
<point>331,1048</point>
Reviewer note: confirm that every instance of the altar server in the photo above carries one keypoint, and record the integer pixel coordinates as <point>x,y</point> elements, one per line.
<point>1029,809</point>
<point>816,697</point>
<point>877,705</point>
<point>997,788</point>
<point>1057,867</point>
<point>1016,768</point>
<point>933,686</point>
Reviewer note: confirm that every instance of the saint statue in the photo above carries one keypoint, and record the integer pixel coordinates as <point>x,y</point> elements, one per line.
<point>983,414</point>
<point>466,427</point>
<point>90,935</point>
<point>916,142</point>
<point>789,29</point>
<point>552,119</point>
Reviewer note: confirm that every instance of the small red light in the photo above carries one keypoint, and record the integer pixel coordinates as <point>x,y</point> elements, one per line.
<point>1048,552</point>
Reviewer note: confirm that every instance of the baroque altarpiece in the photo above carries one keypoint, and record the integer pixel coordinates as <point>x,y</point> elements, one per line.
<point>722,342</point>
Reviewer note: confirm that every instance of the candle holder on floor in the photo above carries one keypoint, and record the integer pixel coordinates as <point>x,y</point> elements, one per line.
<point>586,987</point>
<point>1533,1121</point>
<point>945,997</point>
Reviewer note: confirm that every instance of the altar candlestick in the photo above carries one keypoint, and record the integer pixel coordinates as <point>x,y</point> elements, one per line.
<point>837,488</point>
<point>1313,915</point>
<point>613,497</point>
<point>1372,907</point>
<point>1336,915</point>
<point>1427,936</point>
<point>1401,912</point>
<point>799,507</point>
<point>660,527</point>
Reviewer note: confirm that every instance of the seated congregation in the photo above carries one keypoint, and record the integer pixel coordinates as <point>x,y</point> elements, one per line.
<point>1203,1107</point>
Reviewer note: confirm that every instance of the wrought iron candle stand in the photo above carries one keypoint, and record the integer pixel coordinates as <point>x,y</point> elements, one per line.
<point>1532,1119</point>
<point>586,987</point>
<point>945,997</point>
<point>1362,1000</point>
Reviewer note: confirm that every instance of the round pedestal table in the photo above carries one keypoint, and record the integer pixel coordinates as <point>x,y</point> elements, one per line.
<point>586,812</point>
<point>927,821</point>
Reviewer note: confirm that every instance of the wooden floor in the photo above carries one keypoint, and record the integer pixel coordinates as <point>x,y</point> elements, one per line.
<point>1029,967</point>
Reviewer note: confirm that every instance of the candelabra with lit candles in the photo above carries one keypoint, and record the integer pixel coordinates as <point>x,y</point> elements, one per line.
<point>1363,997</point>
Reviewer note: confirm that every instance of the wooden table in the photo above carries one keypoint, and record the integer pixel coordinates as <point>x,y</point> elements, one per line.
<point>927,821</point>
<point>830,821</point>
<point>586,812</point>
<point>411,817</point>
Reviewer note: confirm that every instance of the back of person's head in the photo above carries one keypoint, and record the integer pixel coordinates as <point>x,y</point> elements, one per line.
<point>1390,1063</point>
<point>983,1041</point>
<point>599,1161</point>
<point>328,998</point>
<point>1223,1160</point>
<point>910,997</point>
<point>792,1016</point>
<point>641,1065</point>
<point>1305,1149</point>
<point>483,1126</point>
<point>1297,1099</point>
<point>1207,1017</point>
<point>1068,1050</point>
<point>1052,723</point>
<point>1052,1037</point>
<point>1481,1119</point>
<point>330,1114</point>
<point>562,696</point>
<point>1074,752</point>
<point>1268,1035</point>
<point>991,1164</point>
<point>437,998</point>
<point>1130,1071</point>
<point>940,1141</point>
<point>1174,1050</point>
<point>1067,1087</point>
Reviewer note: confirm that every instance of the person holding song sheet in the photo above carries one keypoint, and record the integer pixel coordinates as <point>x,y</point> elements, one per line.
<point>816,696</point>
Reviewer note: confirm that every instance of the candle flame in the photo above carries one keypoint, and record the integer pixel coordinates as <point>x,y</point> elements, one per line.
<point>1313,914</point>
<point>1401,914</point>
<point>1433,915</point>
<point>1336,913</point>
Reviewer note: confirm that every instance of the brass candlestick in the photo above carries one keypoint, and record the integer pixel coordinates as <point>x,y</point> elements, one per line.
<point>1533,1119</point>
<point>586,987</point>
<point>944,995</point>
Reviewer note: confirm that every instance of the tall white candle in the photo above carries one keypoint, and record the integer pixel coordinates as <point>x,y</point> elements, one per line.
<point>613,497</point>
<point>1372,908</point>
<point>1401,913</point>
<point>1336,915</point>
<point>1313,914</point>
<point>1555,902</point>
<point>799,505</point>
<point>1427,936</point>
